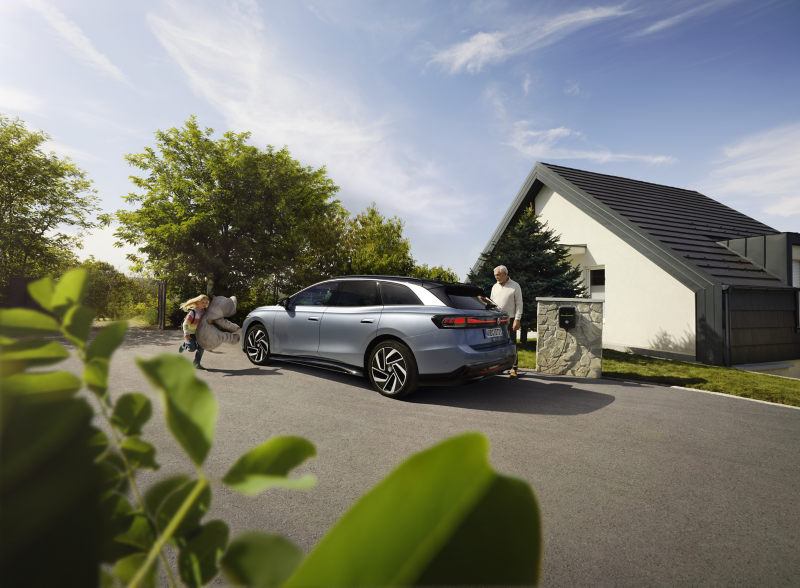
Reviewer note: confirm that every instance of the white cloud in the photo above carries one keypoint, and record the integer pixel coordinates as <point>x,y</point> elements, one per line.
<point>564,143</point>
<point>100,244</point>
<point>572,89</point>
<point>472,55</point>
<point>383,26</point>
<point>79,42</point>
<point>762,167</point>
<point>236,62</point>
<point>526,84</point>
<point>497,99</point>
<point>13,100</point>
<point>556,143</point>
<point>488,48</point>
<point>68,151</point>
<point>678,18</point>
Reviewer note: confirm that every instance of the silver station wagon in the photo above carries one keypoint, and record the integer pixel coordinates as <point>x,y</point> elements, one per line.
<point>398,332</point>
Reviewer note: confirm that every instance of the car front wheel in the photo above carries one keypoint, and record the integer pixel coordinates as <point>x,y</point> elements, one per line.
<point>393,369</point>
<point>257,345</point>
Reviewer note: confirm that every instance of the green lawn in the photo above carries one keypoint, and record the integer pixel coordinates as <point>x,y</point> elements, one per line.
<point>630,366</point>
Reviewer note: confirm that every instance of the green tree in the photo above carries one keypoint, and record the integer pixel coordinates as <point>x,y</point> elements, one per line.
<point>113,295</point>
<point>434,273</point>
<point>40,194</point>
<point>535,261</point>
<point>326,254</point>
<point>108,289</point>
<point>377,246</point>
<point>223,212</point>
<point>365,244</point>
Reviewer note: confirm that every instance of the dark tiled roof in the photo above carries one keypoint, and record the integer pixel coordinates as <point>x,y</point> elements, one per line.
<point>683,220</point>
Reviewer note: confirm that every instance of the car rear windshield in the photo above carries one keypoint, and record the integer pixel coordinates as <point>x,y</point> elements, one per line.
<point>469,298</point>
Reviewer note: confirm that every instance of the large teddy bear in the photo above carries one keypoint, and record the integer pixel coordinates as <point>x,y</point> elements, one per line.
<point>214,329</point>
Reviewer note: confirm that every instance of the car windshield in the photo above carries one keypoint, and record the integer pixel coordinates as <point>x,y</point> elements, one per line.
<point>318,295</point>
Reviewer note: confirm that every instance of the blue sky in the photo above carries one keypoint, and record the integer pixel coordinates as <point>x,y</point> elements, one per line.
<point>435,110</point>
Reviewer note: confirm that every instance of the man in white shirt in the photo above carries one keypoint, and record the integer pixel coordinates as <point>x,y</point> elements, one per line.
<point>507,294</point>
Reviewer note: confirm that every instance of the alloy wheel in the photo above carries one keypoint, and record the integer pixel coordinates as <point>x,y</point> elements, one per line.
<point>257,346</point>
<point>389,371</point>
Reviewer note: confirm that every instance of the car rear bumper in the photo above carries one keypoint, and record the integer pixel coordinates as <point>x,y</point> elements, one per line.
<point>468,373</point>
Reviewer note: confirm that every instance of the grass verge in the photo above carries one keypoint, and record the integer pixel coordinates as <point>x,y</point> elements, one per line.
<point>630,366</point>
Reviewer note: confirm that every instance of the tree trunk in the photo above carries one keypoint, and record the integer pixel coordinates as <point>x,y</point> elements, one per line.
<point>523,334</point>
<point>162,304</point>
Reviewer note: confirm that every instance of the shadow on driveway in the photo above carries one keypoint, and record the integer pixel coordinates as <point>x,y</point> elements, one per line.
<point>140,337</point>
<point>525,396</point>
<point>323,374</point>
<point>136,337</point>
<point>255,371</point>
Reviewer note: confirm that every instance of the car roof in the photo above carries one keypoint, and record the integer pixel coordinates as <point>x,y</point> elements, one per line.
<point>428,284</point>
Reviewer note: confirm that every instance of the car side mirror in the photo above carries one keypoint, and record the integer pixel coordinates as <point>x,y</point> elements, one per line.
<point>284,302</point>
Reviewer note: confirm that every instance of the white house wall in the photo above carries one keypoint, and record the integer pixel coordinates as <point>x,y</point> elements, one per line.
<point>645,308</point>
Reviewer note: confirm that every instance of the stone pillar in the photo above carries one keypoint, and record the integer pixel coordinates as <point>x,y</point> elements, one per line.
<point>574,352</point>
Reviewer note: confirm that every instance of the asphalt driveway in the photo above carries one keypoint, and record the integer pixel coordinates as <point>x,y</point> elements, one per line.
<point>638,484</point>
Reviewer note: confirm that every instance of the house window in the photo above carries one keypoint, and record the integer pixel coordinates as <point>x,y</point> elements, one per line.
<point>597,283</point>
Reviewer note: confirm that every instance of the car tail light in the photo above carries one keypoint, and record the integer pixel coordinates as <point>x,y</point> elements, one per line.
<point>469,322</point>
<point>453,322</point>
<point>482,322</point>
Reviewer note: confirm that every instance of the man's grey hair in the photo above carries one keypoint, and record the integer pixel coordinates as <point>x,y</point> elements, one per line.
<point>501,268</point>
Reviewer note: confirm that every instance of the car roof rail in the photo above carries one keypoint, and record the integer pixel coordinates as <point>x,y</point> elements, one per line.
<point>425,282</point>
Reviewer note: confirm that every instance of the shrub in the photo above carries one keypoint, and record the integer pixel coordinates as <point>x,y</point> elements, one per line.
<point>150,317</point>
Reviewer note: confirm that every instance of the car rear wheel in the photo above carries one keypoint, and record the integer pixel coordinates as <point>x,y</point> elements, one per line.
<point>393,369</point>
<point>257,345</point>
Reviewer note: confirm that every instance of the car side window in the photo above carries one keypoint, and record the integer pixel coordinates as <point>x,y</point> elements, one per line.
<point>358,294</point>
<point>397,294</point>
<point>318,295</point>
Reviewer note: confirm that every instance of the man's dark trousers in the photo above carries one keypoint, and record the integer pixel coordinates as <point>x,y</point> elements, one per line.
<point>512,335</point>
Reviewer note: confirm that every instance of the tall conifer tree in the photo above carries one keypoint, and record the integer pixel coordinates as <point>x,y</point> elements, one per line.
<point>535,260</point>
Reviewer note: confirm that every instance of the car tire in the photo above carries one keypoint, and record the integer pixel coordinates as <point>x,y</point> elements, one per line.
<point>392,369</point>
<point>256,345</point>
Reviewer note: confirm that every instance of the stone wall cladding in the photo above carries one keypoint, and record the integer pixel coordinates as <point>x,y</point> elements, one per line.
<point>576,352</point>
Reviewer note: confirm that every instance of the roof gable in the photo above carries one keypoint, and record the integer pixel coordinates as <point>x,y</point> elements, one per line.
<point>676,229</point>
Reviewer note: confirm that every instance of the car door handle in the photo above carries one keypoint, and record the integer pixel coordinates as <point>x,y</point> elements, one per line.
<point>313,318</point>
<point>367,320</point>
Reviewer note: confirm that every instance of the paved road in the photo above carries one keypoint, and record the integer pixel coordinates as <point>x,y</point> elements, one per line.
<point>638,484</point>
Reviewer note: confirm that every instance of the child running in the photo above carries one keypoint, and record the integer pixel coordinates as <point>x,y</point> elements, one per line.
<point>196,306</point>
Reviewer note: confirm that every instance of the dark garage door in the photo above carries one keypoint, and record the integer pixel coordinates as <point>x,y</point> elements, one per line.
<point>763,326</point>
